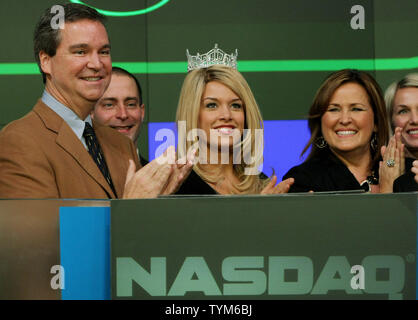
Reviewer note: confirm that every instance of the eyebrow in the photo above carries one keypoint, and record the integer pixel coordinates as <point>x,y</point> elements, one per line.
<point>108,99</point>
<point>85,45</point>
<point>115,99</point>
<point>351,104</point>
<point>131,98</point>
<point>210,98</point>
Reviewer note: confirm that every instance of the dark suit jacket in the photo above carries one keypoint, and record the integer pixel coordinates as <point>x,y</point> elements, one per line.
<point>194,184</point>
<point>406,182</point>
<point>324,172</point>
<point>41,157</point>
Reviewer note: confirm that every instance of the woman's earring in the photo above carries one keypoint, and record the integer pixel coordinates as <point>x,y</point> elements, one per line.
<point>373,141</point>
<point>320,142</point>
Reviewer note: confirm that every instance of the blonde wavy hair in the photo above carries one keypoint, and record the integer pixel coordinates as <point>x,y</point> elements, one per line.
<point>188,110</point>
<point>409,81</point>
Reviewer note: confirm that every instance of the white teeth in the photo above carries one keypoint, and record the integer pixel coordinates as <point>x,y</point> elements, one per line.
<point>346,133</point>
<point>92,79</point>
<point>413,132</point>
<point>225,130</point>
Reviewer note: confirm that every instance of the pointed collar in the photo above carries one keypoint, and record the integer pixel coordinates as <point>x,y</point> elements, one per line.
<point>68,115</point>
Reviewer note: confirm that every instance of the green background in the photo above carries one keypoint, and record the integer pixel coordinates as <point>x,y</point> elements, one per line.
<point>261,30</point>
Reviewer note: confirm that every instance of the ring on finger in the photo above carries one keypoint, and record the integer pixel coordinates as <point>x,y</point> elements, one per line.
<point>390,163</point>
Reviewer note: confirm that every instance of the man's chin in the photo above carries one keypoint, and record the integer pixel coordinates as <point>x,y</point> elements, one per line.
<point>93,98</point>
<point>125,132</point>
<point>93,95</point>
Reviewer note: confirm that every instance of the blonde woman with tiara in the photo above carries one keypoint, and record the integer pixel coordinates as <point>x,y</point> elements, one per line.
<point>218,116</point>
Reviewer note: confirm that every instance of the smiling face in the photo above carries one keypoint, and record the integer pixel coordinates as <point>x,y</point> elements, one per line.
<point>221,111</point>
<point>79,73</point>
<point>348,122</point>
<point>120,107</point>
<point>405,115</point>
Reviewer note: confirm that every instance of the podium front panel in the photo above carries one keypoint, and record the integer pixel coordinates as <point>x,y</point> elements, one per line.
<point>265,247</point>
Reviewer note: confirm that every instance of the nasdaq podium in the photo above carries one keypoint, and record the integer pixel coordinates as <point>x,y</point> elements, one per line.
<point>294,246</point>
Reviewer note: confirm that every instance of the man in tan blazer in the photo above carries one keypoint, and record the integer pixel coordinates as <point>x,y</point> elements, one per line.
<point>42,158</point>
<point>47,153</point>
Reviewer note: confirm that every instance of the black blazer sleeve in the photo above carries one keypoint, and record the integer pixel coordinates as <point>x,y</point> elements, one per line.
<point>303,181</point>
<point>405,183</point>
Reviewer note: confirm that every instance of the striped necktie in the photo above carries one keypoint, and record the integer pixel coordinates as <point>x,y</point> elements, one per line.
<point>97,154</point>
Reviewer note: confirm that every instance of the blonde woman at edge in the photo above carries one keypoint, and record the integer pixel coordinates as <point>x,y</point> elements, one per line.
<point>402,106</point>
<point>221,117</point>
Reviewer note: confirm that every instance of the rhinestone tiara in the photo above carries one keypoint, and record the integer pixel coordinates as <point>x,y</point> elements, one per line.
<point>214,56</point>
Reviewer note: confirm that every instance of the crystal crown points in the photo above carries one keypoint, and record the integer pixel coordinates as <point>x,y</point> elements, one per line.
<point>213,57</point>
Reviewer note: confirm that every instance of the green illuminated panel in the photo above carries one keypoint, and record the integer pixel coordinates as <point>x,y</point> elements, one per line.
<point>18,68</point>
<point>243,66</point>
<point>126,13</point>
<point>327,65</point>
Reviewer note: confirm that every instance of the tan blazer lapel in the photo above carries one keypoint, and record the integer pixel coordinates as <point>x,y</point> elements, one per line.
<point>70,143</point>
<point>115,162</point>
<point>50,119</point>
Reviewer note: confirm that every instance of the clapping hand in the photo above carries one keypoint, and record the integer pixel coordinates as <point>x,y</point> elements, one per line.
<point>414,170</point>
<point>393,164</point>
<point>282,187</point>
<point>181,170</point>
<point>163,175</point>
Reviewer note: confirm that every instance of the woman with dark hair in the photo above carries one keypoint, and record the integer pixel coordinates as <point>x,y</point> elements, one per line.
<point>349,127</point>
